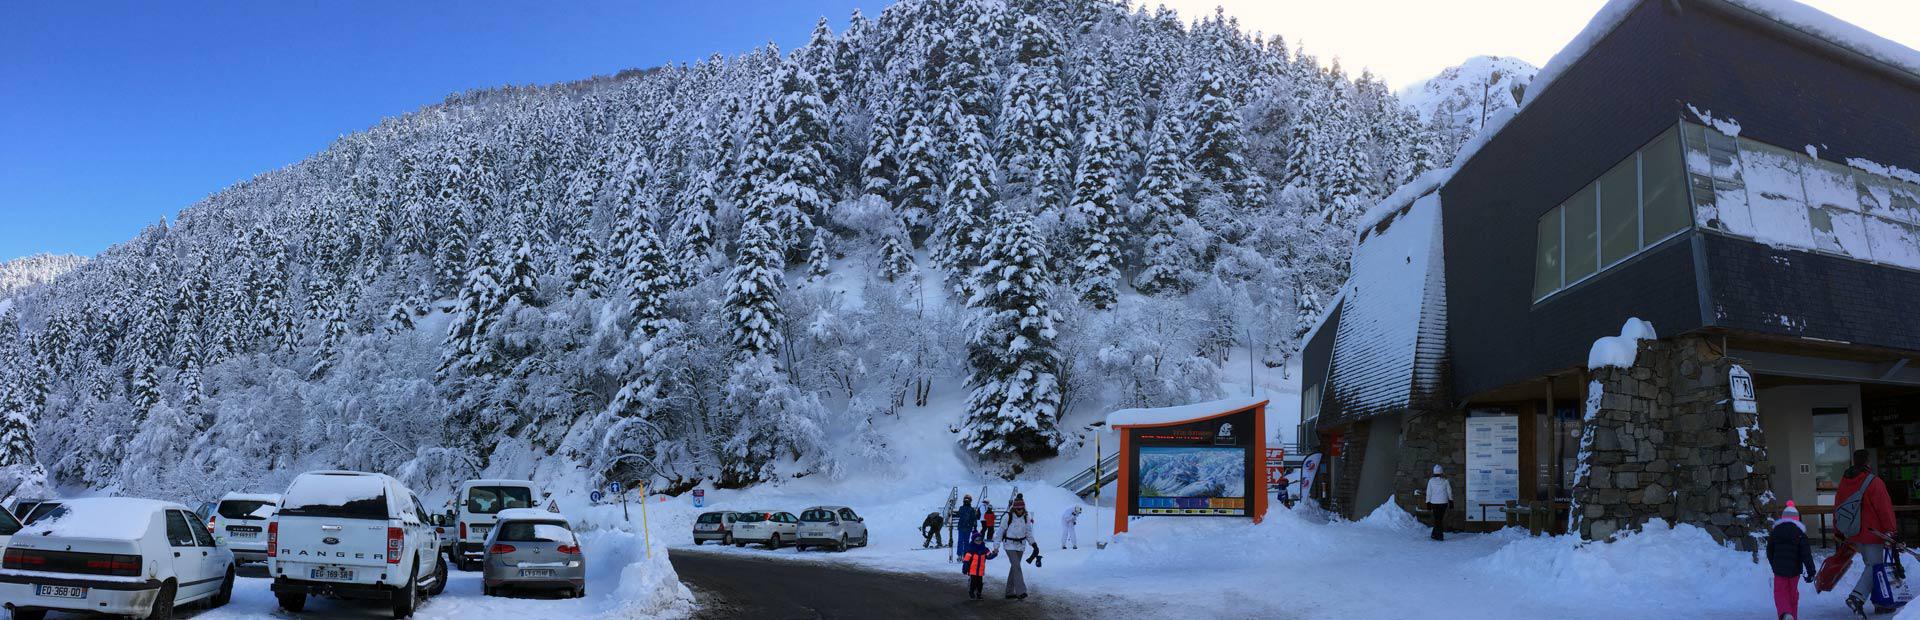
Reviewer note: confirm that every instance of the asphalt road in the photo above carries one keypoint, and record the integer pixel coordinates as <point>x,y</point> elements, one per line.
<point>733,586</point>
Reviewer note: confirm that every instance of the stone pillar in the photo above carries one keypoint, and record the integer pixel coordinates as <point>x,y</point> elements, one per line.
<point>1429,437</point>
<point>1660,440</point>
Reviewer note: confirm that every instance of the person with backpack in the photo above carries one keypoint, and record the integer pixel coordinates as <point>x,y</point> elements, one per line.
<point>930,531</point>
<point>1792,559</point>
<point>1864,515</point>
<point>973,564</point>
<point>964,518</point>
<point>1439,500</point>
<point>1017,539</point>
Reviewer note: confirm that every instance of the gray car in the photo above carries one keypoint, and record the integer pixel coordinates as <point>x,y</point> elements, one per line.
<point>830,526</point>
<point>716,525</point>
<point>534,550</point>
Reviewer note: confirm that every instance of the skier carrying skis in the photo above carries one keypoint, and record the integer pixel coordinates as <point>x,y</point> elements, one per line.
<point>965,517</point>
<point>973,563</point>
<point>930,531</point>
<point>1791,557</point>
<point>1069,523</point>
<point>1864,513</point>
<point>1439,499</point>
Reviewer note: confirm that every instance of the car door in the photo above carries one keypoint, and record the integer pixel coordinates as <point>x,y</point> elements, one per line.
<point>213,563</point>
<point>427,541</point>
<point>189,560</point>
<point>856,529</point>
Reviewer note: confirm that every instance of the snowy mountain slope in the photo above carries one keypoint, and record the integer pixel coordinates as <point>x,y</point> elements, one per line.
<point>1459,100</point>
<point>733,272</point>
<point>19,274</point>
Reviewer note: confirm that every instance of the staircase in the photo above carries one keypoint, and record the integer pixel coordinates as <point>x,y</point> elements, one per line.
<point>1084,483</point>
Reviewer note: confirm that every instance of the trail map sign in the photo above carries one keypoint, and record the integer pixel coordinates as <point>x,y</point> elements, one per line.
<point>1207,463</point>
<point>1493,462</point>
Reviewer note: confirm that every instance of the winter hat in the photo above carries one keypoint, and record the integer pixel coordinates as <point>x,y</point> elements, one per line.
<point>1790,512</point>
<point>1436,469</point>
<point>1019,504</point>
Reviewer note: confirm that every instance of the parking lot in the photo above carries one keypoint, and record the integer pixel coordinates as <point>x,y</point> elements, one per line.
<point>462,599</point>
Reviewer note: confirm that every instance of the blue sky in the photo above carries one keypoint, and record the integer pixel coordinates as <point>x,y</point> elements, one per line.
<point>114,115</point>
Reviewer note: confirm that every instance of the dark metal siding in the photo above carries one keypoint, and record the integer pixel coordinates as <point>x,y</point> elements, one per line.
<point>1792,293</point>
<point>1621,95</point>
<point>1314,361</point>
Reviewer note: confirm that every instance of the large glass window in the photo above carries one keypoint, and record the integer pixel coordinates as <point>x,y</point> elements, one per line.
<point>1620,212</point>
<point>1640,202</point>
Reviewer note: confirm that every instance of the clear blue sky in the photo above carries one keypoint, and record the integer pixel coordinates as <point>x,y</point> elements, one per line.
<point>114,115</point>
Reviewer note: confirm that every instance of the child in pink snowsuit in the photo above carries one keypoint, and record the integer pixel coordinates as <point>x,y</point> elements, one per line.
<point>1792,558</point>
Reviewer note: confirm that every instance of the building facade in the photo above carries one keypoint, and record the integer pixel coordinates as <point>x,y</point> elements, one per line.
<point>1736,173</point>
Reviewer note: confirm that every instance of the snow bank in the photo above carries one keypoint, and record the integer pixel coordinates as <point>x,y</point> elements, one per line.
<point>1619,351</point>
<point>648,586</point>
<point>1390,516</point>
<point>1180,413</point>
<point>1681,566</point>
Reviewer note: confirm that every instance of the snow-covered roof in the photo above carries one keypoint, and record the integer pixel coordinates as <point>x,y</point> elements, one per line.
<point>106,518</point>
<point>1391,337</point>
<point>252,497</point>
<point>530,514</point>
<point>1787,13</point>
<point>1180,413</point>
<point>334,488</point>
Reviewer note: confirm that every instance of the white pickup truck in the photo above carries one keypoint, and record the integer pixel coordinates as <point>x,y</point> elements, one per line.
<point>353,535</point>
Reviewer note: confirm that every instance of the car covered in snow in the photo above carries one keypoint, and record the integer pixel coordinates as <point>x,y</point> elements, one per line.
<point>772,528</point>
<point>478,502</point>
<point>355,535</point>
<point>29,509</point>
<point>114,555</point>
<point>533,550</point>
<point>240,521</point>
<point>830,526</point>
<point>714,525</point>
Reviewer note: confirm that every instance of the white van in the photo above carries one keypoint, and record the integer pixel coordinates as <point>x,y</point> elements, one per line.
<point>352,535</point>
<point>114,555</point>
<point>477,506</point>
<point>240,521</point>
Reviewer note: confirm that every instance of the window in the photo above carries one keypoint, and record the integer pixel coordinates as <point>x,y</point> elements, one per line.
<point>8,524</point>
<point>1793,199</point>
<point>817,516</point>
<point>245,509</point>
<point>490,500</point>
<point>201,536</point>
<point>536,531</point>
<point>1636,204</point>
<point>179,531</point>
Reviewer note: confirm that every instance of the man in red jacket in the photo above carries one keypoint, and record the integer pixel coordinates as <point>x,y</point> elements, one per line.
<point>1876,518</point>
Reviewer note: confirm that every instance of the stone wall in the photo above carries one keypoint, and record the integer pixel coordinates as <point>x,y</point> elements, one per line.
<point>1345,481</point>
<point>1661,440</point>
<point>1426,438</point>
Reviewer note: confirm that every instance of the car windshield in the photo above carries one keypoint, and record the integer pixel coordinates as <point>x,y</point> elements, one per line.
<point>712,517</point>
<point>490,500</point>
<point>8,524</point>
<point>535,531</point>
<point>750,517</point>
<point>817,515</point>
<point>336,495</point>
<point>245,509</point>
<point>41,510</point>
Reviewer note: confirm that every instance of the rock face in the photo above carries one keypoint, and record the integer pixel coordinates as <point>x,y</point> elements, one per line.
<point>1662,441</point>
<point>1429,437</point>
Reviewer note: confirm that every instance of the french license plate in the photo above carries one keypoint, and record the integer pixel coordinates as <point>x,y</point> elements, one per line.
<point>536,572</point>
<point>61,591</point>
<point>333,573</point>
<point>240,534</point>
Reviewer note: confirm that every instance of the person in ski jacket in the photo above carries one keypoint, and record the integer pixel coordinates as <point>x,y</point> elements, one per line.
<point>1439,500</point>
<point>930,531</point>
<point>973,563</point>
<point>1280,495</point>
<point>1876,519</point>
<point>1069,526</point>
<point>987,518</point>
<point>1792,559</point>
<point>1016,540</point>
<point>965,517</point>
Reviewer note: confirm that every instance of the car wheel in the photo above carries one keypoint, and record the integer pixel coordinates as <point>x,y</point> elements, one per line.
<point>697,541</point>
<point>486,591</point>
<point>225,595</point>
<point>29,614</point>
<point>774,543</point>
<point>439,578</point>
<point>292,601</point>
<point>163,604</point>
<point>726,539</point>
<point>842,547</point>
<point>406,596</point>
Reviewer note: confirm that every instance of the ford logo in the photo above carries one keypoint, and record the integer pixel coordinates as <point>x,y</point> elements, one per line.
<point>330,540</point>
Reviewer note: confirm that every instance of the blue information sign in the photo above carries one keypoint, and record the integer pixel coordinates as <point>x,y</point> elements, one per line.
<point>613,488</point>
<point>595,496</point>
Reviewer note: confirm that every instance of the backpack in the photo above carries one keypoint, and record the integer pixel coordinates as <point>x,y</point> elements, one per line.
<point>1846,516</point>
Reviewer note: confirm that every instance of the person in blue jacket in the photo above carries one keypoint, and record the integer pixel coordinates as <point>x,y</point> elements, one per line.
<point>966,517</point>
<point>973,563</point>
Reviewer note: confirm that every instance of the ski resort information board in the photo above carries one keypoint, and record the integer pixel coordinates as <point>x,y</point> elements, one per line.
<point>1493,464</point>
<point>1202,468</point>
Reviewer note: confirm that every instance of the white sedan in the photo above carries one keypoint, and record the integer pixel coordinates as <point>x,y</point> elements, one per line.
<point>768,527</point>
<point>114,555</point>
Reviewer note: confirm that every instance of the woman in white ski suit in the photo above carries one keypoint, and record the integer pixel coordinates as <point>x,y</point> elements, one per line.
<point>1069,522</point>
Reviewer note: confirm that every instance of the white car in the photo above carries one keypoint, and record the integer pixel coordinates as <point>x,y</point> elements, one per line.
<point>353,535</point>
<point>830,526</point>
<point>768,527</point>
<point>114,555</point>
<point>478,504</point>
<point>240,521</point>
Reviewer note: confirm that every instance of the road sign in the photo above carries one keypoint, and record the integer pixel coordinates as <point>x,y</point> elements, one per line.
<point>1741,383</point>
<point>596,496</point>
<point>613,488</point>
<point>553,506</point>
<point>699,498</point>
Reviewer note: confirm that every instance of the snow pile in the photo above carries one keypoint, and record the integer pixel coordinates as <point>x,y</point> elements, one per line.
<point>1619,351</point>
<point>1660,568</point>
<point>1726,126</point>
<point>1180,413</point>
<point>1390,516</point>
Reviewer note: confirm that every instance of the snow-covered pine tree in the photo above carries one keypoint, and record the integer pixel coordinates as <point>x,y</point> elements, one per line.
<point>469,349</point>
<point>753,304</point>
<point>968,196</point>
<point>1013,409</point>
<point>800,188</point>
<point>1096,216</point>
<point>1035,138</point>
<point>646,281</point>
<point>1170,256</point>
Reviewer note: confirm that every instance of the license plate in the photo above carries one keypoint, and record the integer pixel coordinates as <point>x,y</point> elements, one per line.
<point>61,591</point>
<point>239,534</point>
<point>330,573</point>
<point>536,572</point>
